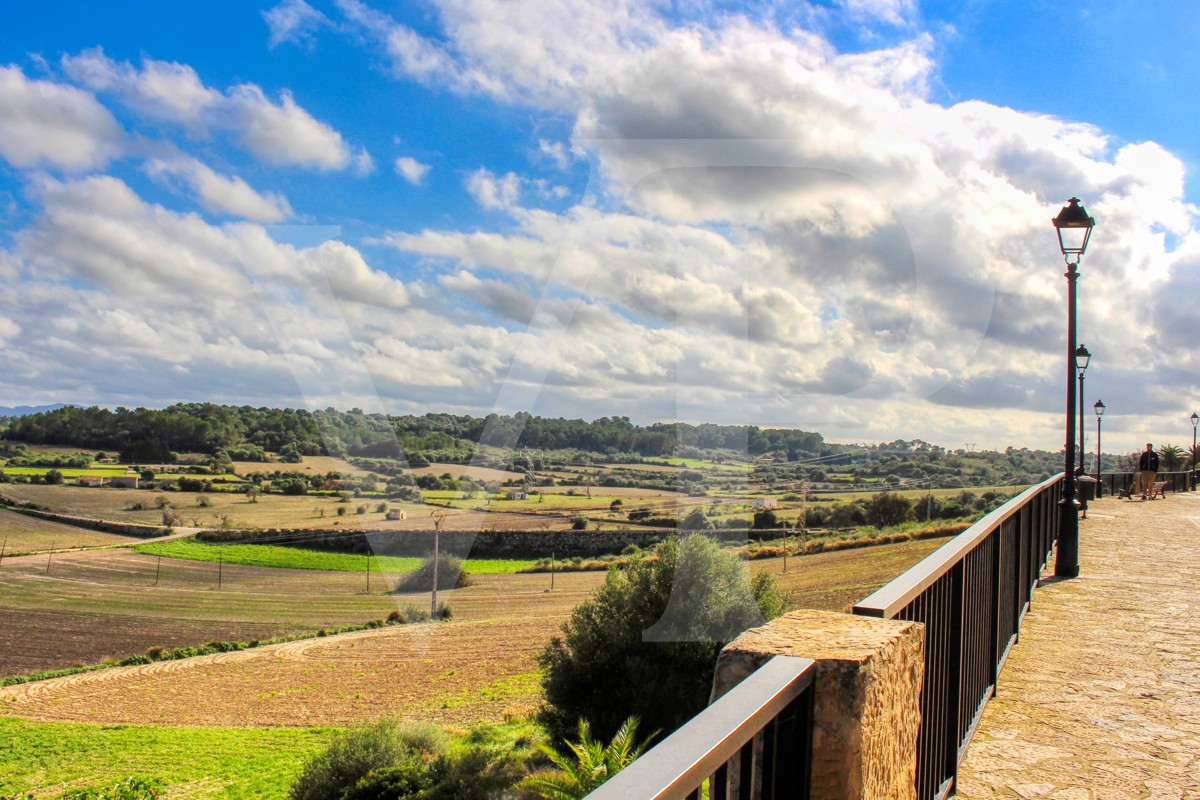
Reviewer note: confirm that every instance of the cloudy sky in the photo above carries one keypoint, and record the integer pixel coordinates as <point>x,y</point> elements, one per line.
<point>832,216</point>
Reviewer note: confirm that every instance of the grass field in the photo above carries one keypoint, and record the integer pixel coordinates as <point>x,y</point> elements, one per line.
<point>278,556</point>
<point>225,763</point>
<point>23,534</point>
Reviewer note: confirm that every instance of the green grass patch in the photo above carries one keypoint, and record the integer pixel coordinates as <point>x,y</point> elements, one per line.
<point>278,556</point>
<point>225,763</point>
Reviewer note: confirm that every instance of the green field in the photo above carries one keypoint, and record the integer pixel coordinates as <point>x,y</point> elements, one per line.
<point>266,555</point>
<point>214,763</point>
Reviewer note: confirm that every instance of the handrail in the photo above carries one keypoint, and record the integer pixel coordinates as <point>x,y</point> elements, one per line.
<point>971,594</point>
<point>765,720</point>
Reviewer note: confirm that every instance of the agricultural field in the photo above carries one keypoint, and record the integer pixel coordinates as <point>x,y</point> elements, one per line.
<point>280,557</point>
<point>23,534</point>
<point>314,465</point>
<point>225,763</point>
<point>477,667</point>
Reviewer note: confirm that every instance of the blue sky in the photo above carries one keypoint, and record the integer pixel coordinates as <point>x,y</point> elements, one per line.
<point>832,215</point>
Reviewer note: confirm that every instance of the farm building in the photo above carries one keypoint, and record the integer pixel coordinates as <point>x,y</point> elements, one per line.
<point>765,502</point>
<point>93,481</point>
<point>396,514</point>
<point>517,494</point>
<point>124,482</point>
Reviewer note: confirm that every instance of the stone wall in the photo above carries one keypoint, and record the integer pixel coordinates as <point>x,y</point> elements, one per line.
<point>122,528</point>
<point>867,696</point>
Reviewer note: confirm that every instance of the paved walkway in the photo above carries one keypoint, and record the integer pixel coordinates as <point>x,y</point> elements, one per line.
<point>1100,700</point>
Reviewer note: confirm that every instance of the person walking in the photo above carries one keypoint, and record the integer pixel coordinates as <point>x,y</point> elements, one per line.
<point>1147,470</point>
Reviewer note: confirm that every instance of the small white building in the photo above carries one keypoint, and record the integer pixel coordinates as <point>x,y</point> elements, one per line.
<point>124,482</point>
<point>395,514</point>
<point>765,502</point>
<point>92,481</point>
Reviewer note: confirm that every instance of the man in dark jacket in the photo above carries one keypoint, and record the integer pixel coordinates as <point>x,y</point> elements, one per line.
<point>1147,470</point>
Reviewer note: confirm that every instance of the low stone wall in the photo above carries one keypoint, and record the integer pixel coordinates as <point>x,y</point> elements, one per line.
<point>867,696</point>
<point>104,526</point>
<point>483,544</point>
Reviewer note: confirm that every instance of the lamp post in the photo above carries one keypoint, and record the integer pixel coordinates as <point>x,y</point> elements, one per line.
<point>1195,421</point>
<point>1099,409</point>
<point>1074,228</point>
<point>1082,357</point>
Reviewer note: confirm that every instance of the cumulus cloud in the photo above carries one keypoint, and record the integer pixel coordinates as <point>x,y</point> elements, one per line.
<point>219,193</point>
<point>411,170</point>
<point>49,124</point>
<point>809,219</point>
<point>494,192</point>
<point>294,22</point>
<point>279,132</point>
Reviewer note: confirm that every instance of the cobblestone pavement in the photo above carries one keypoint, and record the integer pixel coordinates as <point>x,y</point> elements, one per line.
<point>1100,700</point>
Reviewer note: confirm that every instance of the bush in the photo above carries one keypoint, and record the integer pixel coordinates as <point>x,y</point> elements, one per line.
<point>689,601</point>
<point>53,476</point>
<point>388,761</point>
<point>351,757</point>
<point>450,575</point>
<point>128,789</point>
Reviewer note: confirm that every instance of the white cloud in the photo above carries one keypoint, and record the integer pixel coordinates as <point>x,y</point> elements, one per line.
<point>411,170</point>
<point>493,192</point>
<point>277,132</point>
<point>48,124</point>
<point>293,21</point>
<point>8,330</point>
<point>219,193</point>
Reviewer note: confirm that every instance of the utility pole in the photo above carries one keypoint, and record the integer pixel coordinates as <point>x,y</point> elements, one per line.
<point>438,518</point>
<point>3,547</point>
<point>50,558</point>
<point>158,569</point>
<point>220,564</point>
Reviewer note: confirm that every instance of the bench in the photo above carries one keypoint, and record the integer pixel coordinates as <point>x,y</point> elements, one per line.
<point>1159,490</point>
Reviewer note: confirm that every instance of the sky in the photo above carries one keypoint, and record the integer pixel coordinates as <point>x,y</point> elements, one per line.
<point>832,216</point>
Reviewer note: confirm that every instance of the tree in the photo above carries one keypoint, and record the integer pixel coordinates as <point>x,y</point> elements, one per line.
<point>765,519</point>
<point>647,640</point>
<point>589,764</point>
<point>696,521</point>
<point>53,476</point>
<point>1172,457</point>
<point>886,509</point>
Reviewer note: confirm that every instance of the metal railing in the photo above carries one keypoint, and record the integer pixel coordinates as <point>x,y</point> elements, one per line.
<point>754,742</point>
<point>1114,482</point>
<point>971,594</point>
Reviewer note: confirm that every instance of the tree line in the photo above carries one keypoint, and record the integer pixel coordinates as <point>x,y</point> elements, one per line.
<point>239,433</point>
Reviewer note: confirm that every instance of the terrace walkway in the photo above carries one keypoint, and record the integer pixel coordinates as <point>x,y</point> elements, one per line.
<point>1100,700</point>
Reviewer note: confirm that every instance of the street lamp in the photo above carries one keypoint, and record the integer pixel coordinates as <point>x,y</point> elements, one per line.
<point>1099,409</point>
<point>1082,357</point>
<point>1195,421</point>
<point>1074,228</point>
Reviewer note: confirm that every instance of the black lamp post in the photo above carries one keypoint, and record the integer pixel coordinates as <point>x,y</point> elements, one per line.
<point>1082,357</point>
<point>1099,409</point>
<point>1195,421</point>
<point>1074,228</point>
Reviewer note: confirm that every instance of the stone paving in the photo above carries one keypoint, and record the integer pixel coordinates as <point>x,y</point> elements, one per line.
<point>1100,700</point>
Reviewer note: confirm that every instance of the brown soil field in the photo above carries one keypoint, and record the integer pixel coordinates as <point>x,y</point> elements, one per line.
<point>478,667</point>
<point>29,534</point>
<point>477,473</point>
<point>317,465</point>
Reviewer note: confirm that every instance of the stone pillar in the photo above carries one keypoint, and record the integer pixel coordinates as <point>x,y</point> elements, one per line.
<point>867,702</point>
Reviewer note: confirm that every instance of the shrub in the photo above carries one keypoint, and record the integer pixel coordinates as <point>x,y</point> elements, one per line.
<point>450,575</point>
<point>689,601</point>
<point>349,758</point>
<point>127,789</point>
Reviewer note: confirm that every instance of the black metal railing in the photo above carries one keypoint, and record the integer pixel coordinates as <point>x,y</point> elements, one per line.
<point>754,742</point>
<point>1114,482</point>
<point>971,594</point>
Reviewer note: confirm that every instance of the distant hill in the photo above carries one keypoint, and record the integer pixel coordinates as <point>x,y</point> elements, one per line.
<point>21,411</point>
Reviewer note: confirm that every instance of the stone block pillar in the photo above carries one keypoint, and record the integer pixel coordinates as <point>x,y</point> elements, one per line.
<point>867,702</point>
